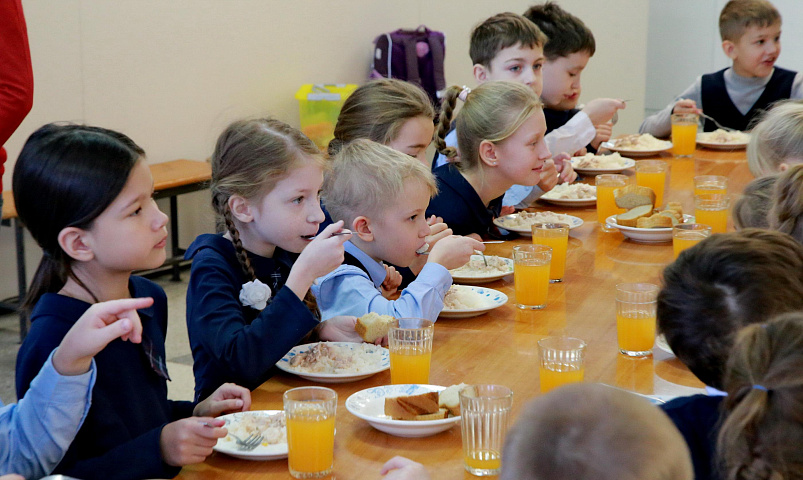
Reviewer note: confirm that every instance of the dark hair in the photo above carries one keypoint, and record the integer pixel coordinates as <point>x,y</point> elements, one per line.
<point>751,209</point>
<point>66,176</point>
<point>786,206</point>
<point>500,32</point>
<point>721,284</point>
<point>763,413</point>
<point>567,34</point>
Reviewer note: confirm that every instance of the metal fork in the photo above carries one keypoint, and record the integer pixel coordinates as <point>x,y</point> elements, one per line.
<point>719,125</point>
<point>251,442</point>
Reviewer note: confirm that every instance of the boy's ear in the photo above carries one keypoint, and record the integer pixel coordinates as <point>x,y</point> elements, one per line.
<point>76,243</point>
<point>480,73</point>
<point>361,226</point>
<point>240,209</point>
<point>729,48</point>
<point>487,153</point>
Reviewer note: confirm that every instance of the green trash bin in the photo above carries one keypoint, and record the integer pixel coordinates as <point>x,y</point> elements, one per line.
<point>318,108</point>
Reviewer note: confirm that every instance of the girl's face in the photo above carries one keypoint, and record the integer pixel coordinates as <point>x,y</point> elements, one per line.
<point>131,233</point>
<point>414,137</point>
<point>288,215</point>
<point>520,157</point>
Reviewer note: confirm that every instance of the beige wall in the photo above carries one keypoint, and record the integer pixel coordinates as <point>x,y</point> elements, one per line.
<point>172,74</point>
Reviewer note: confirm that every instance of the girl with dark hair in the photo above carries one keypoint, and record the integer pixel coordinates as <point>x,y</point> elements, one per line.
<point>85,194</point>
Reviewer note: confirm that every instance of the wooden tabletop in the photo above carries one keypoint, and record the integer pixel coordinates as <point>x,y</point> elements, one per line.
<point>500,347</point>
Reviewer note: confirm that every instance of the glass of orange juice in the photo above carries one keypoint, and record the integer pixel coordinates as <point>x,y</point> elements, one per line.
<point>531,265</point>
<point>606,205</point>
<point>710,184</point>
<point>310,415</point>
<point>635,318</point>
<point>687,235</point>
<point>562,361</point>
<point>684,133</point>
<point>555,235</point>
<point>410,345</point>
<point>652,174</point>
<point>712,209</point>
<point>484,419</point>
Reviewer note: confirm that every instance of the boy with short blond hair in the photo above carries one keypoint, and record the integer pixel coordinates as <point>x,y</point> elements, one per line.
<point>382,196</point>
<point>736,96</point>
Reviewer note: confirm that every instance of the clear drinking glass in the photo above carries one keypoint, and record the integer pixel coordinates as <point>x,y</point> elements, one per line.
<point>635,318</point>
<point>310,414</point>
<point>531,265</point>
<point>410,345</point>
<point>484,419</point>
<point>555,235</point>
<point>561,361</point>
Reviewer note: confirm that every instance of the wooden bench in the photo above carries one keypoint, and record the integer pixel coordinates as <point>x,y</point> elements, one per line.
<point>170,179</point>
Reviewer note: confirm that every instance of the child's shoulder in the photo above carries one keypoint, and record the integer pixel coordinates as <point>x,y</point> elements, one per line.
<point>212,244</point>
<point>142,287</point>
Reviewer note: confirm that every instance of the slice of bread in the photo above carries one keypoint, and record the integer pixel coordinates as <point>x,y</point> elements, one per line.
<point>655,221</point>
<point>633,196</point>
<point>372,326</point>
<point>439,415</point>
<point>409,407</point>
<point>631,217</point>
<point>676,206</point>
<point>450,399</point>
<point>675,216</point>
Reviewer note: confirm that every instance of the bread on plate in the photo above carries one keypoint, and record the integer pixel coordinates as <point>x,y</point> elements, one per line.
<point>633,196</point>
<point>373,326</point>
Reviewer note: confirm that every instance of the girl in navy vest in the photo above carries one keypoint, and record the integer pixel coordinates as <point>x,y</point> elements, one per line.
<point>248,301</point>
<point>85,194</point>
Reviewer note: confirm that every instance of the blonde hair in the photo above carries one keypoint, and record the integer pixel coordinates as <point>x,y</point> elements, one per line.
<point>738,15</point>
<point>378,110</point>
<point>762,431</point>
<point>251,156</point>
<point>367,178</point>
<point>777,138</point>
<point>493,111</point>
<point>786,211</point>
<point>752,208</point>
<point>591,431</point>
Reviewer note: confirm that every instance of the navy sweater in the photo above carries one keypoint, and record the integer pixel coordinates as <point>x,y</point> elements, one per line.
<point>231,342</point>
<point>697,418</point>
<point>120,436</point>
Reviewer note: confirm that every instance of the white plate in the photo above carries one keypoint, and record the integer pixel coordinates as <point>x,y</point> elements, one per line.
<point>646,235</point>
<point>369,404</point>
<point>262,452</point>
<point>722,146</point>
<point>629,163</point>
<point>284,364</point>
<point>484,277</point>
<point>660,342</point>
<point>573,221</point>
<point>494,299</point>
<point>641,153</point>
<point>570,202</point>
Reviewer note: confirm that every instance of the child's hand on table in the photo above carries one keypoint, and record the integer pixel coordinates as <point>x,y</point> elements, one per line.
<point>228,398</point>
<point>454,251</point>
<point>401,468</point>
<point>190,440</point>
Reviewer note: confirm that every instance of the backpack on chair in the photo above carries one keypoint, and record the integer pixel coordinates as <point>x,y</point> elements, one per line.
<point>412,55</point>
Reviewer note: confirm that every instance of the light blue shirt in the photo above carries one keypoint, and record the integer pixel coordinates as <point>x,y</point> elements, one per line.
<point>36,432</point>
<point>350,291</point>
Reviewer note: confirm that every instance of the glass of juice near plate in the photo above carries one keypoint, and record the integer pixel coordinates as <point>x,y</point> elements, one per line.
<point>687,235</point>
<point>712,209</point>
<point>410,345</point>
<point>484,420</point>
<point>606,204</point>
<point>710,184</point>
<point>561,361</point>
<point>652,174</point>
<point>531,264</point>
<point>635,318</point>
<point>310,416</point>
<point>555,235</point>
<point>684,133</point>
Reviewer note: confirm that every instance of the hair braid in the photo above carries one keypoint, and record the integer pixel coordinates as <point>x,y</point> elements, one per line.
<point>445,122</point>
<point>242,255</point>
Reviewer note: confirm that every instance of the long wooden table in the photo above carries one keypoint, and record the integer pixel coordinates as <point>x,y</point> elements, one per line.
<point>500,347</point>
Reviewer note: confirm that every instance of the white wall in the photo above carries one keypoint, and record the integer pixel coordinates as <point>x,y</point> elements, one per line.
<point>172,74</point>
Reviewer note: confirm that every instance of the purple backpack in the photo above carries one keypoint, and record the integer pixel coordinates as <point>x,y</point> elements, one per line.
<point>412,55</point>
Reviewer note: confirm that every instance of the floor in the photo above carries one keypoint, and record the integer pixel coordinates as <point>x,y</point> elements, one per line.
<point>179,358</point>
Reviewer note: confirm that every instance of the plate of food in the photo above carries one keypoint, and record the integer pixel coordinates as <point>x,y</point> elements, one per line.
<point>408,410</point>
<point>572,195</point>
<point>268,423</point>
<point>522,222</point>
<point>591,164</point>
<point>638,145</point>
<point>463,301</point>
<point>476,271</point>
<point>335,362</point>
<point>646,235</point>
<point>723,140</point>
<point>660,342</point>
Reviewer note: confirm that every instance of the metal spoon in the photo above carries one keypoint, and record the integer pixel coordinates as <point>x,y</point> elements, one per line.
<point>719,125</point>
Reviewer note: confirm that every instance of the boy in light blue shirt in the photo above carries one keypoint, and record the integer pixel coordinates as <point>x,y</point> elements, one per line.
<point>382,195</point>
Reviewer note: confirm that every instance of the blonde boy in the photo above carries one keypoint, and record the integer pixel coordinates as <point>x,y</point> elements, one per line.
<point>735,96</point>
<point>382,196</point>
<point>591,431</point>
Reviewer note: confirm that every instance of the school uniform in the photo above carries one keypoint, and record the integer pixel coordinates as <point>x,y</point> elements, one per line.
<point>231,342</point>
<point>354,288</point>
<point>461,207</point>
<point>697,418</point>
<point>120,438</point>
